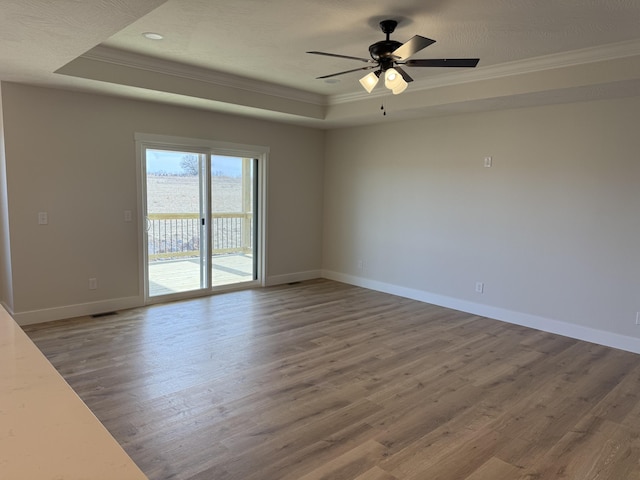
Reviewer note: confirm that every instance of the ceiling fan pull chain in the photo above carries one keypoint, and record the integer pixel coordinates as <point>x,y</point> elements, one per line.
<point>384,112</point>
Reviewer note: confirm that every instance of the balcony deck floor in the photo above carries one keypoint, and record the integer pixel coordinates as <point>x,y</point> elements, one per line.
<point>174,276</point>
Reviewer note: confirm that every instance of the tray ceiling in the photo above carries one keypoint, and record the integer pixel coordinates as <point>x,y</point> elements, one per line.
<point>248,56</point>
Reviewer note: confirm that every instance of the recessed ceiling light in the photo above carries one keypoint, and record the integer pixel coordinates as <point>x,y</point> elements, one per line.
<point>152,36</point>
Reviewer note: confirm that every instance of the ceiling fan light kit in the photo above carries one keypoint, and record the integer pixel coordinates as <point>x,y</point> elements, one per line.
<point>387,56</point>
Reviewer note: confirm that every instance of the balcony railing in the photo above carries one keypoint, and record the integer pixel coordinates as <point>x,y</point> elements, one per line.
<point>177,235</point>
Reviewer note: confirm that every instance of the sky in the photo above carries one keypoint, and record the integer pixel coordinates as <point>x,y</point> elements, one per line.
<point>168,162</point>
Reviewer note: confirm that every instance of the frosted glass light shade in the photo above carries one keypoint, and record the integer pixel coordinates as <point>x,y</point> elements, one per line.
<point>392,79</point>
<point>400,87</point>
<point>369,81</point>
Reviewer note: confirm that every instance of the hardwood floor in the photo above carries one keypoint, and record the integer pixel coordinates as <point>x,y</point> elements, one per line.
<point>322,380</point>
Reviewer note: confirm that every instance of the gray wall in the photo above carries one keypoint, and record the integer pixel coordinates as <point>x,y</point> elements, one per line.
<point>73,155</point>
<point>552,228</point>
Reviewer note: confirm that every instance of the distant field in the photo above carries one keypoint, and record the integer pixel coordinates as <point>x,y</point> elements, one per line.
<point>179,194</point>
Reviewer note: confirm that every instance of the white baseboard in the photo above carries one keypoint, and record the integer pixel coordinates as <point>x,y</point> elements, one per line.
<point>579,332</point>
<point>79,310</point>
<point>292,277</point>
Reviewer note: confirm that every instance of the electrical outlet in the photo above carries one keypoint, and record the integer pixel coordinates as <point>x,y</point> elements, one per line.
<point>488,161</point>
<point>637,318</point>
<point>93,283</point>
<point>479,287</point>
<point>128,217</point>
<point>43,218</point>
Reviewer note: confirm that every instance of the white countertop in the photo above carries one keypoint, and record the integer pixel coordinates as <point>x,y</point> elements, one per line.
<point>46,431</point>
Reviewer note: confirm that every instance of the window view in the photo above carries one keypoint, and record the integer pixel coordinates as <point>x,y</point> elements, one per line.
<point>183,227</point>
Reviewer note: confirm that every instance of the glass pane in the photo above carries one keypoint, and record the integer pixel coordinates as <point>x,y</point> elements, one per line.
<point>174,210</point>
<point>232,225</point>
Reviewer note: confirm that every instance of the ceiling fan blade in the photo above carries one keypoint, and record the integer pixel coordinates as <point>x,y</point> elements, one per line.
<point>412,46</point>
<point>404,74</point>
<point>443,62</point>
<point>366,60</point>
<point>371,67</point>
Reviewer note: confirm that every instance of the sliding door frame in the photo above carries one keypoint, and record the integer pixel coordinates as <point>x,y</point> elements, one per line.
<point>210,148</point>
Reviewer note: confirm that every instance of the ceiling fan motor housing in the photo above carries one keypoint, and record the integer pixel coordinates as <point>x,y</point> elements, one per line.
<point>381,52</point>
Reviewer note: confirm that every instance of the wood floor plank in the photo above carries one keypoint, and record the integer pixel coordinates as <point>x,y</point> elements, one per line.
<point>376,473</point>
<point>605,450</point>
<point>352,464</point>
<point>495,469</point>
<point>322,380</point>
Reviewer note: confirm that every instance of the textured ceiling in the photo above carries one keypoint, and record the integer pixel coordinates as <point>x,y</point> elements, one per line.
<point>37,37</point>
<point>248,56</point>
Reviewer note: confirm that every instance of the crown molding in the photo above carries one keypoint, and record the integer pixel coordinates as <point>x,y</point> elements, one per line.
<point>518,67</point>
<point>156,65</point>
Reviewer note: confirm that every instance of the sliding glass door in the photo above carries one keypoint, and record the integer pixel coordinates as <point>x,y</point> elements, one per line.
<point>233,220</point>
<point>201,221</point>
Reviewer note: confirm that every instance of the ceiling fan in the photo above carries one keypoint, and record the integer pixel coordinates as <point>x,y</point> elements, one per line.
<point>387,56</point>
